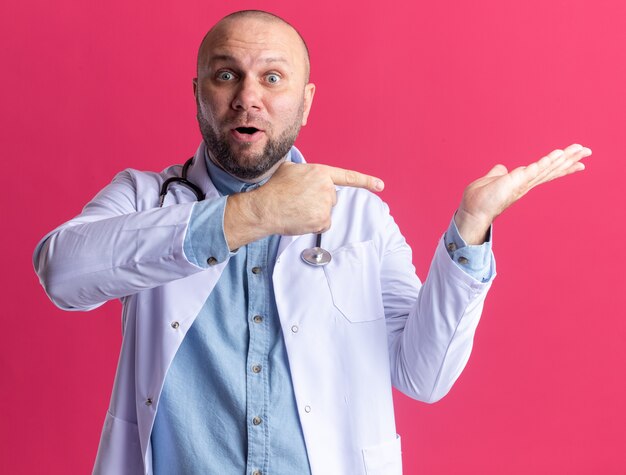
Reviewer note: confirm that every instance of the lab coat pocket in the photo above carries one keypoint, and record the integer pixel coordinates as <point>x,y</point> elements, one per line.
<point>383,459</point>
<point>354,280</point>
<point>120,451</point>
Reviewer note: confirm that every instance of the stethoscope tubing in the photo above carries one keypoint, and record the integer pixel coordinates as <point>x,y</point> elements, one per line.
<point>183,181</point>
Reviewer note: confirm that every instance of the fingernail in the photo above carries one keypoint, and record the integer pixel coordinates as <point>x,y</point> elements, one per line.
<point>587,151</point>
<point>378,185</point>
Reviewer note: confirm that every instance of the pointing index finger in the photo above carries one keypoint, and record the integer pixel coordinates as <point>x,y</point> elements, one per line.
<point>343,177</point>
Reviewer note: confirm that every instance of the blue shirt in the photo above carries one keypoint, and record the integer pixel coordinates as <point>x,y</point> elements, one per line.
<point>227,404</point>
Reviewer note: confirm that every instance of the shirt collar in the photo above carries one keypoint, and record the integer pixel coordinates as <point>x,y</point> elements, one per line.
<point>227,184</point>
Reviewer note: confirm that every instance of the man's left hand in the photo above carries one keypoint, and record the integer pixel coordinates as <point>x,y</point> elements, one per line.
<point>486,198</point>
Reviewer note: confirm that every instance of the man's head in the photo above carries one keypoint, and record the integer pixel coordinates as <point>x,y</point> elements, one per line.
<point>252,92</point>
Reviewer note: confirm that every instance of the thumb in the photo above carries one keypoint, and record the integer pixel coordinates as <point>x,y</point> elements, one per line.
<point>498,170</point>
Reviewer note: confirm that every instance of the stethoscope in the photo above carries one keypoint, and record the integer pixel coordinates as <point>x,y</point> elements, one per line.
<point>182,180</point>
<point>314,256</point>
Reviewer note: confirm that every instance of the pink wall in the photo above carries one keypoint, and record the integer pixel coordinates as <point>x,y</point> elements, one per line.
<point>427,95</point>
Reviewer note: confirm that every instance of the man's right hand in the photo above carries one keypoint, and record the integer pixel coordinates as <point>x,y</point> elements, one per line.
<point>297,199</point>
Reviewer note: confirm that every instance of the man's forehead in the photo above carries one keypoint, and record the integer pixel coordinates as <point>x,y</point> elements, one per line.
<point>248,34</point>
<point>268,38</point>
<point>268,56</point>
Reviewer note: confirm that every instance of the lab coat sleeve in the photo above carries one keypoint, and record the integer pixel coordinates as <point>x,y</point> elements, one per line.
<point>430,327</point>
<point>120,244</point>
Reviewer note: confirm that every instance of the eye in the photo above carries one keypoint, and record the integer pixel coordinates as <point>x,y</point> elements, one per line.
<point>225,76</point>
<point>273,78</point>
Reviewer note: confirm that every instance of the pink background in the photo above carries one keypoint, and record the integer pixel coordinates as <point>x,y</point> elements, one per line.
<point>428,95</point>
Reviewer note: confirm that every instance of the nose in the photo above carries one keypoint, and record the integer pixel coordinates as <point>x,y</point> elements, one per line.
<point>248,95</point>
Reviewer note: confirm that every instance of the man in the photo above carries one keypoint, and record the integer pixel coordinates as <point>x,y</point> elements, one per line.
<point>238,356</point>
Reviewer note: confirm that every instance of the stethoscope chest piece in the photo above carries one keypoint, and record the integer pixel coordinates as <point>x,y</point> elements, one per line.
<point>316,256</point>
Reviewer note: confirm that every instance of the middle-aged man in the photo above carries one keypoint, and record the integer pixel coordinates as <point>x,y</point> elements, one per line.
<point>239,357</point>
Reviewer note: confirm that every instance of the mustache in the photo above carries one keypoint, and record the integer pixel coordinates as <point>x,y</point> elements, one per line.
<point>247,120</point>
<point>240,119</point>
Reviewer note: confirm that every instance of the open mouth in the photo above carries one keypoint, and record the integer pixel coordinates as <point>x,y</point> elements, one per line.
<point>247,130</point>
<point>247,134</point>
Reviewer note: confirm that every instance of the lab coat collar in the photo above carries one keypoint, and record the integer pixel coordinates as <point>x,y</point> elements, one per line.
<point>199,175</point>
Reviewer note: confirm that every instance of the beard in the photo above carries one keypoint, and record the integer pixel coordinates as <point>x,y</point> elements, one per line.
<point>255,165</point>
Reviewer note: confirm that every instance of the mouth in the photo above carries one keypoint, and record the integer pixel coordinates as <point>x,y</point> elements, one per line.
<point>247,134</point>
<point>247,130</point>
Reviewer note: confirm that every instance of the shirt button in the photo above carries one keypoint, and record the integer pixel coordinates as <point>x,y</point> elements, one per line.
<point>175,325</point>
<point>149,402</point>
<point>307,409</point>
<point>257,319</point>
<point>451,247</point>
<point>256,270</point>
<point>211,261</point>
<point>257,472</point>
<point>294,328</point>
<point>257,420</point>
<point>256,368</point>
<point>463,260</point>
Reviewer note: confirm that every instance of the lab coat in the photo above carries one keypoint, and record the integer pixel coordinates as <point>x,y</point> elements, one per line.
<point>352,329</point>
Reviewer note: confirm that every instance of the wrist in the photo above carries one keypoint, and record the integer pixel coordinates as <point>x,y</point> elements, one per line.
<point>473,229</point>
<point>244,220</point>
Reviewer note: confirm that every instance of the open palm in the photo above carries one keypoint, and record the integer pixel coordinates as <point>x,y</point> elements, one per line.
<point>484,199</point>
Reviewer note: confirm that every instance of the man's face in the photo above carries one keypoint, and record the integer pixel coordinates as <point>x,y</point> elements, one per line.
<point>251,94</point>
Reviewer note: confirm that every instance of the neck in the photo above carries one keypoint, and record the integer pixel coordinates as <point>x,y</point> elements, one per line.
<point>264,177</point>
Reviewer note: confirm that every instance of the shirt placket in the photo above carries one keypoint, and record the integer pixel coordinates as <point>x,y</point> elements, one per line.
<point>257,382</point>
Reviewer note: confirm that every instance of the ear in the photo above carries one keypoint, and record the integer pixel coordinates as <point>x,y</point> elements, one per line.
<point>309,92</point>
<point>195,87</point>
